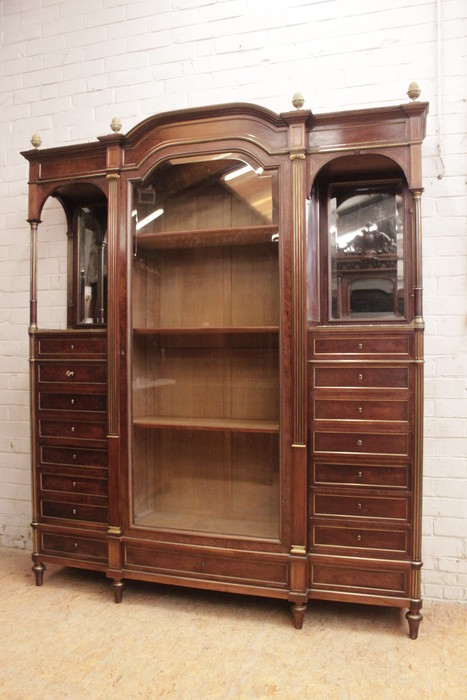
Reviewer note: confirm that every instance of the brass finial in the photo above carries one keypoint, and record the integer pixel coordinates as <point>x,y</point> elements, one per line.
<point>116,124</point>
<point>414,91</point>
<point>298,100</point>
<point>36,140</point>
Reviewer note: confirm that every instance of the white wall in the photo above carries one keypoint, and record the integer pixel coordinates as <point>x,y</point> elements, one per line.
<point>68,66</point>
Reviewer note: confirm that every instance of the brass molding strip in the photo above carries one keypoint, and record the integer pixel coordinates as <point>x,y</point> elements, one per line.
<point>298,550</point>
<point>299,299</point>
<point>112,326</point>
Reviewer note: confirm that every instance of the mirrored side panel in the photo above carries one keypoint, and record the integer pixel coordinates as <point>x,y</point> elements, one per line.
<point>366,251</point>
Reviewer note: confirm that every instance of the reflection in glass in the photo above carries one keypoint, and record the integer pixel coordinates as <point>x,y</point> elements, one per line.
<point>205,310</point>
<point>366,239</point>
<point>92,268</point>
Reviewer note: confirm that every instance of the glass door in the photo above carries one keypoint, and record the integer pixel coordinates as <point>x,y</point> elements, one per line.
<point>205,384</point>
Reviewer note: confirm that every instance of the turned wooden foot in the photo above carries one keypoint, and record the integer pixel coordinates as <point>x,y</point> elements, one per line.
<point>414,617</point>
<point>118,590</point>
<point>38,568</point>
<point>298,613</point>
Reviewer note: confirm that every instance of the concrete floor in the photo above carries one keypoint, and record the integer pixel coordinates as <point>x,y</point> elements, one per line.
<point>68,639</point>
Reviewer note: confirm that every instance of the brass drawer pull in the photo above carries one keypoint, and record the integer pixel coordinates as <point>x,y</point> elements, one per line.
<point>72,347</point>
<point>360,377</point>
<point>74,484</point>
<point>360,346</point>
<point>360,409</point>
<point>359,538</point>
<point>72,401</point>
<point>74,456</point>
<point>69,373</point>
<point>359,506</point>
<point>360,474</point>
<point>359,443</point>
<point>75,545</point>
<point>72,428</point>
<point>74,511</point>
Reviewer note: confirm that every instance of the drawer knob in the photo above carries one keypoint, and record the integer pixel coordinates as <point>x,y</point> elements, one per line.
<point>360,346</point>
<point>74,484</point>
<point>72,347</point>
<point>359,443</point>
<point>360,409</point>
<point>69,373</point>
<point>360,377</point>
<point>72,428</point>
<point>74,456</point>
<point>360,474</point>
<point>74,511</point>
<point>359,506</point>
<point>359,538</point>
<point>72,401</point>
<point>75,545</point>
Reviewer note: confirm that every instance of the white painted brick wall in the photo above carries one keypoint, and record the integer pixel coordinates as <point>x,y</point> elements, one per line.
<point>68,66</point>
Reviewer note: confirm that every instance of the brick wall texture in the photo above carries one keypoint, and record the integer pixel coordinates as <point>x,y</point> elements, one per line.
<point>68,66</point>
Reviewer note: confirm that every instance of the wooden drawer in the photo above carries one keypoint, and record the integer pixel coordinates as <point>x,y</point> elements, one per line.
<point>72,402</point>
<point>73,484</point>
<point>384,580</point>
<point>77,547</point>
<point>361,443</point>
<point>361,344</point>
<point>76,430</point>
<point>71,373</point>
<point>381,507</point>
<point>204,565</point>
<point>327,536</point>
<point>74,511</point>
<point>361,475</point>
<point>73,456</point>
<point>361,410</point>
<point>71,346</point>
<point>361,376</point>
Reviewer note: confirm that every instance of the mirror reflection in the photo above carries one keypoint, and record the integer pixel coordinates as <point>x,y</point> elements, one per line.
<point>366,251</point>
<point>92,268</point>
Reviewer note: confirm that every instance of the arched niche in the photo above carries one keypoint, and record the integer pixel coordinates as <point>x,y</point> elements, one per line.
<point>359,204</point>
<point>71,257</point>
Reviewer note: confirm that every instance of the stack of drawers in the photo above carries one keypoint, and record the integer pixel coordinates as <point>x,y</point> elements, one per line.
<point>70,475</point>
<point>361,419</point>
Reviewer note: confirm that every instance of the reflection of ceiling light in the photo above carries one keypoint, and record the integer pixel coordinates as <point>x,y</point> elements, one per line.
<point>147,219</point>
<point>241,171</point>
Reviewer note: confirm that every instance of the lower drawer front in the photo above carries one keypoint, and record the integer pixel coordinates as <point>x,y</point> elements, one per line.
<point>75,547</point>
<point>73,484</point>
<point>74,511</point>
<point>331,537</point>
<point>73,456</point>
<point>361,507</point>
<point>201,565</point>
<point>361,475</point>
<point>72,402</point>
<point>360,579</point>
<point>362,443</point>
<point>78,430</point>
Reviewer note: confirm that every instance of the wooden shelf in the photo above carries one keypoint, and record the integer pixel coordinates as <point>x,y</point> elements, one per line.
<point>203,238</point>
<point>206,330</point>
<point>219,424</point>
<point>209,521</point>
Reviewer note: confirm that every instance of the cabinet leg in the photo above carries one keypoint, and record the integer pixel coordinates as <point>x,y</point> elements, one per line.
<point>298,613</point>
<point>414,617</point>
<point>118,590</point>
<point>38,568</point>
